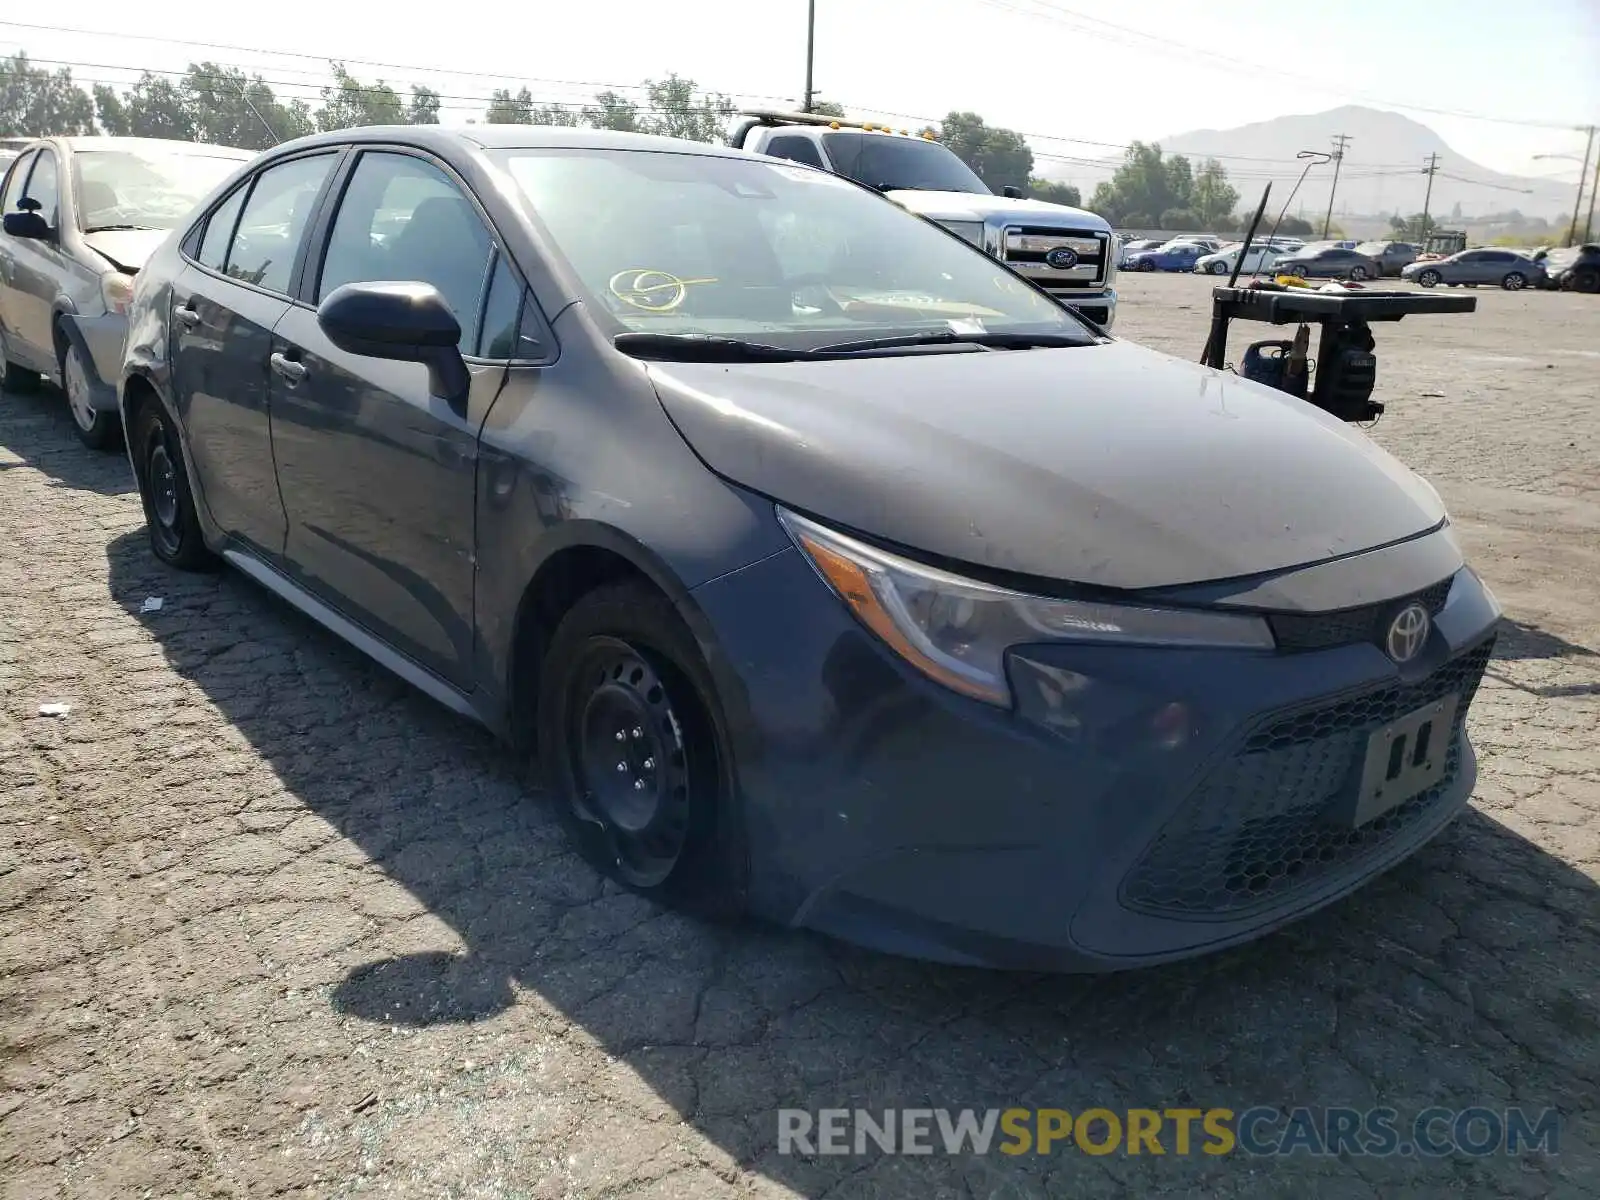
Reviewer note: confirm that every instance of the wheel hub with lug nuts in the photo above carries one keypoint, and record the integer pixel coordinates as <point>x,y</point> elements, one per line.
<point>630,763</point>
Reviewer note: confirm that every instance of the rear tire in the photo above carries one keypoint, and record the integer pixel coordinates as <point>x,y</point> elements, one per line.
<point>96,430</point>
<point>1358,273</point>
<point>1515,281</point>
<point>631,745</point>
<point>164,490</point>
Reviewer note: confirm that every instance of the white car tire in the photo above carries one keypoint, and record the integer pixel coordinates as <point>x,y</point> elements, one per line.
<point>97,430</point>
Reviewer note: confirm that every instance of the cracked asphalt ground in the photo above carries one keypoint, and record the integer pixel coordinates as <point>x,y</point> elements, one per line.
<point>272,923</point>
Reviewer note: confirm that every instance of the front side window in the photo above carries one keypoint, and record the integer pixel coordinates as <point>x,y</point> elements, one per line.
<point>14,182</point>
<point>692,243</point>
<point>274,221</point>
<point>44,186</point>
<point>402,218</point>
<point>143,189</point>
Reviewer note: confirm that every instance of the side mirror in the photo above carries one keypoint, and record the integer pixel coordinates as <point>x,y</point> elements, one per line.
<point>1011,191</point>
<point>28,225</point>
<point>406,322</point>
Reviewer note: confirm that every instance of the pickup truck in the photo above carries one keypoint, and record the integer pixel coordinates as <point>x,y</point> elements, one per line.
<point>1070,253</point>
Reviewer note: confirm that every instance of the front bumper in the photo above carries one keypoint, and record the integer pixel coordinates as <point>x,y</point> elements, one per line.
<point>100,340</point>
<point>1098,304</point>
<point>1084,831</point>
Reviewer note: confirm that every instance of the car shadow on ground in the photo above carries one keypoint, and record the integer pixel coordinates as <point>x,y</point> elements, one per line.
<point>1462,978</point>
<point>36,431</point>
<point>1525,641</point>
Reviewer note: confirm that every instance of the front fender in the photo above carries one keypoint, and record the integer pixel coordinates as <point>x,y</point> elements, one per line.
<point>99,342</point>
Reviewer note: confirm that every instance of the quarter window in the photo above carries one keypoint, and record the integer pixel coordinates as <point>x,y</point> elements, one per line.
<point>274,221</point>
<point>219,231</point>
<point>404,219</point>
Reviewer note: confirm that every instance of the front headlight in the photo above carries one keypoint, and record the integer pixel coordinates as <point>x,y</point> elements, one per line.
<point>117,290</point>
<point>956,631</point>
<point>971,231</point>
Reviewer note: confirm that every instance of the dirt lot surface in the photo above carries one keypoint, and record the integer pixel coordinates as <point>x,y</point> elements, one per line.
<point>272,923</point>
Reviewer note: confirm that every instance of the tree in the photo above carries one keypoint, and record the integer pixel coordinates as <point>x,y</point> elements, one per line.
<point>1052,192</point>
<point>557,114</point>
<point>1146,183</point>
<point>1179,219</point>
<point>999,157</point>
<point>35,102</point>
<point>612,111</point>
<point>424,106</point>
<point>1213,199</point>
<point>1295,227</point>
<point>228,108</point>
<point>153,107</point>
<point>827,108</point>
<point>506,109</point>
<point>349,103</point>
<point>679,112</point>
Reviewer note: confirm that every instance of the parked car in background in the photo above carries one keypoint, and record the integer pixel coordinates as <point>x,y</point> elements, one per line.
<point>1260,258</point>
<point>1572,268</point>
<point>1329,262</point>
<point>658,489</point>
<point>1506,268</point>
<point>1210,241</point>
<point>81,216</point>
<point>1391,257</point>
<point>1133,245</point>
<point>1172,256</point>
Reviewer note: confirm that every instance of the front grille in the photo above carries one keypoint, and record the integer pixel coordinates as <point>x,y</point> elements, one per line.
<point>1258,828</point>
<point>1024,247</point>
<point>1319,631</point>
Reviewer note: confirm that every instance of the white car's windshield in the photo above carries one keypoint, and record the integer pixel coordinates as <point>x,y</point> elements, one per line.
<point>143,189</point>
<point>730,247</point>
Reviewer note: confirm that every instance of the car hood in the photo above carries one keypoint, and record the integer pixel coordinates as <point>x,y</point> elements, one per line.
<point>129,249</point>
<point>972,206</point>
<point>1109,465</point>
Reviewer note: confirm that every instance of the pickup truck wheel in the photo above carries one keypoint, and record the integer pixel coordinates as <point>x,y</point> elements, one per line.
<point>96,430</point>
<point>12,377</point>
<point>629,743</point>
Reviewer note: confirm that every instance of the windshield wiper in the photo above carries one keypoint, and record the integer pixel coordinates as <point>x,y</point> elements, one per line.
<point>702,347</point>
<point>946,337</point>
<point>118,228</point>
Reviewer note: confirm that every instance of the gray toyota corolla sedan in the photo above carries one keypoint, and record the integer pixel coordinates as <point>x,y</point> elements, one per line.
<point>827,570</point>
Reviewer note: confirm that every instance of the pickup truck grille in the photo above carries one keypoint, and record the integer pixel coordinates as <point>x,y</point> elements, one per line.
<point>1026,247</point>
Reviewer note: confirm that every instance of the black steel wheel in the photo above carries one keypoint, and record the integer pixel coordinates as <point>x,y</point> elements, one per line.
<point>629,742</point>
<point>164,491</point>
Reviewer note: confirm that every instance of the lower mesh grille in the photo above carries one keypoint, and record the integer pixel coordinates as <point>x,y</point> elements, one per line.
<point>1258,827</point>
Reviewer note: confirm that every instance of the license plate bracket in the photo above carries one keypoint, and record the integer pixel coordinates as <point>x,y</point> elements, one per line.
<point>1405,757</point>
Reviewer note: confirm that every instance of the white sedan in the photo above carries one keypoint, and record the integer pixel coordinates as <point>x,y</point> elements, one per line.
<point>1260,258</point>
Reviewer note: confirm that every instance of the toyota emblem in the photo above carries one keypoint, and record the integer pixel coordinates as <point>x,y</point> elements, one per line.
<point>1407,632</point>
<point>1062,258</point>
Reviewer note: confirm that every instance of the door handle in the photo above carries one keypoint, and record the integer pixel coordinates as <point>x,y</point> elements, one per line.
<point>292,371</point>
<point>186,316</point>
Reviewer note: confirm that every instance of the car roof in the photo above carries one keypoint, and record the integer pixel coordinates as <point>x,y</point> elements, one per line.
<point>207,149</point>
<point>516,137</point>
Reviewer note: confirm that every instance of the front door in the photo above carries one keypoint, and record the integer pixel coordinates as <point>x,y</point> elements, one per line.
<point>378,474</point>
<point>223,313</point>
<point>37,266</point>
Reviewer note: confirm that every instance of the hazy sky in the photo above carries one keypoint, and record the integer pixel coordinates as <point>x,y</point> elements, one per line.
<point>1075,69</point>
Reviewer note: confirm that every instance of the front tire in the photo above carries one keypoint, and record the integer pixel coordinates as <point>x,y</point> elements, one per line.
<point>1358,273</point>
<point>1147,265</point>
<point>1428,279</point>
<point>96,430</point>
<point>164,490</point>
<point>1514,282</point>
<point>631,745</point>
<point>1219,268</point>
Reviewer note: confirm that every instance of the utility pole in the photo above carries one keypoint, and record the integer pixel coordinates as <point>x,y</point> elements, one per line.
<point>1427,200</point>
<point>1594,186</point>
<point>1583,175</point>
<point>811,45</point>
<point>1339,144</point>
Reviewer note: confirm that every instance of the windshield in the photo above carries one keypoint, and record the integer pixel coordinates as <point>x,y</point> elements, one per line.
<point>881,160</point>
<point>696,244</point>
<point>143,189</point>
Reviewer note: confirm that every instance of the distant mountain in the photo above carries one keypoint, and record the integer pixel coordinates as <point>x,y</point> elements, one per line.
<point>1382,169</point>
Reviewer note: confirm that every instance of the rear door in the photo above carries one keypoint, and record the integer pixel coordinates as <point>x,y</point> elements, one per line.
<point>378,474</point>
<point>225,305</point>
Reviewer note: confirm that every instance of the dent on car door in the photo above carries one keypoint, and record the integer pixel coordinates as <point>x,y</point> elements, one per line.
<point>223,311</point>
<point>378,473</point>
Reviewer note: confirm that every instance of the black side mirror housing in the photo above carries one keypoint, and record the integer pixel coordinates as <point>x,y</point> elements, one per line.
<point>403,321</point>
<point>28,224</point>
<point>1011,191</point>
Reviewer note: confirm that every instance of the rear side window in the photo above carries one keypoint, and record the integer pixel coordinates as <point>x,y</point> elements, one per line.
<point>19,172</point>
<point>274,221</point>
<point>795,149</point>
<point>219,231</point>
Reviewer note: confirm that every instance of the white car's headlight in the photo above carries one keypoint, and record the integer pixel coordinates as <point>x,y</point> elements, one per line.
<point>117,291</point>
<point>957,631</point>
<point>971,231</point>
